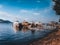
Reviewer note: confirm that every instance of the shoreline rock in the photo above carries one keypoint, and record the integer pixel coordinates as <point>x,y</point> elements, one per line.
<point>51,39</point>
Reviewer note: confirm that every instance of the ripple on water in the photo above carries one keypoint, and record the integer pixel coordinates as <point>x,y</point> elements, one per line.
<point>9,37</point>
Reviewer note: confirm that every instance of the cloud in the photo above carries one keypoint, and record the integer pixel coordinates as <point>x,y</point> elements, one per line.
<point>28,12</point>
<point>7,16</point>
<point>29,15</point>
<point>23,11</point>
<point>1,6</point>
<point>26,19</point>
<point>44,15</point>
<point>35,13</point>
<point>12,17</point>
<point>4,13</point>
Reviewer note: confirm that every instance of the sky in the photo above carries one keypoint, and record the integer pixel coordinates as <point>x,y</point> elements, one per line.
<point>29,10</point>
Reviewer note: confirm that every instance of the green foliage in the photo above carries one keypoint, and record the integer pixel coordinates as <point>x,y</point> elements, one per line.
<point>57,6</point>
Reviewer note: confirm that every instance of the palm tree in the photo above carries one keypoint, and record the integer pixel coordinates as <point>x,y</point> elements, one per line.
<point>57,7</point>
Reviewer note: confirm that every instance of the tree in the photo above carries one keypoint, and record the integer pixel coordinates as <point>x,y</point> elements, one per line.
<point>57,7</point>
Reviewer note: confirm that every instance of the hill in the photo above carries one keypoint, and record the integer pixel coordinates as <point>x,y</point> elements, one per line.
<point>5,21</point>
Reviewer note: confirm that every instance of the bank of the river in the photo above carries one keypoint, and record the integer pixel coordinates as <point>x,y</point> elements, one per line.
<point>52,39</point>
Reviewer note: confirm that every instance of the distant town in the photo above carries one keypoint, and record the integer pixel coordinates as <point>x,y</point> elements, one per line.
<point>32,25</point>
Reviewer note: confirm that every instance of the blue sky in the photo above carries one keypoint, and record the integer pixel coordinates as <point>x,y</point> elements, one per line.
<point>29,10</point>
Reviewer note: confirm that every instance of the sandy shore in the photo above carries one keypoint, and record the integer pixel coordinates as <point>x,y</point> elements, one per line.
<point>51,39</point>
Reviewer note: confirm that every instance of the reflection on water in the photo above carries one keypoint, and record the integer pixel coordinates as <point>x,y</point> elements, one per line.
<point>9,37</point>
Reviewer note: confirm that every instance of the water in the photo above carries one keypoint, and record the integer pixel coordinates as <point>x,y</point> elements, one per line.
<point>9,37</point>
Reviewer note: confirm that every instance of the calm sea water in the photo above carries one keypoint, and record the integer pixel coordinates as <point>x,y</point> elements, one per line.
<point>9,37</point>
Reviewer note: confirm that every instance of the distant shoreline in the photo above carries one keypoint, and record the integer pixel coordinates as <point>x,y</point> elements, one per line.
<point>5,21</point>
